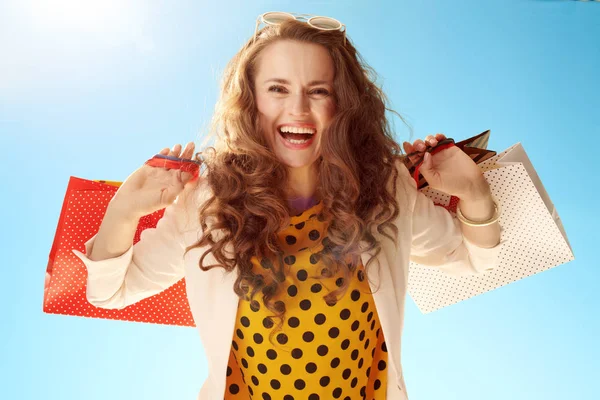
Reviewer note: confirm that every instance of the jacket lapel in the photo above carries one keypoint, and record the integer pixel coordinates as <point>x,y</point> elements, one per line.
<point>214,306</point>
<point>384,295</point>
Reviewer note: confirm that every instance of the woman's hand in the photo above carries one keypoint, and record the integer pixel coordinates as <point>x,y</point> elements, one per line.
<point>149,189</point>
<point>450,171</point>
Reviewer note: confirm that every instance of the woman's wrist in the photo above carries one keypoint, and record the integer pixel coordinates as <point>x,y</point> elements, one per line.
<point>477,204</point>
<point>478,209</point>
<point>122,210</point>
<point>479,218</point>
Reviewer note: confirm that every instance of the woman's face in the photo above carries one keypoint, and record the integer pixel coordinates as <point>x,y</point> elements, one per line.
<point>294,97</point>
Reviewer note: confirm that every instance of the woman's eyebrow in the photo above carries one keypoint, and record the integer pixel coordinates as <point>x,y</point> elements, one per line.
<point>286,82</point>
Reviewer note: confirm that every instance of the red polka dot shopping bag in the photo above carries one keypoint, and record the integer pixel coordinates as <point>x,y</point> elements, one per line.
<point>83,208</point>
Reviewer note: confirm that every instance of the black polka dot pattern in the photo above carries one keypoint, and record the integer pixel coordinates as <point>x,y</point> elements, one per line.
<point>323,351</point>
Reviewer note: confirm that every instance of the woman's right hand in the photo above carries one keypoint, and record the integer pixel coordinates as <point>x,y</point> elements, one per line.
<point>149,189</point>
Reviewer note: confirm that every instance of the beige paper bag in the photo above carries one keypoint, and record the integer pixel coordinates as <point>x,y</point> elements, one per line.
<point>533,235</point>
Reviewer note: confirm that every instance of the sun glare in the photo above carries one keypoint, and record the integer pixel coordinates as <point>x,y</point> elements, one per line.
<point>71,44</point>
<point>74,15</point>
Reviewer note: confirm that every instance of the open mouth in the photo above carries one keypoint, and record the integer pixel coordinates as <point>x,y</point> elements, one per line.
<point>300,136</point>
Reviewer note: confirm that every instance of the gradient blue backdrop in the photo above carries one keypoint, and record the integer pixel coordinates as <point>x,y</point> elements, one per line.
<point>94,90</point>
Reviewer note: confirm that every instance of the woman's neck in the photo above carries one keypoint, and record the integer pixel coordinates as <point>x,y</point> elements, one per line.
<point>302,184</point>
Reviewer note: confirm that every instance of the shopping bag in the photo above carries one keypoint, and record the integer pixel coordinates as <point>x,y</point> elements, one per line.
<point>533,235</point>
<point>82,212</point>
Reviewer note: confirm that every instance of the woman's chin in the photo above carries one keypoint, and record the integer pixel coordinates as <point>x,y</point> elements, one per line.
<point>296,162</point>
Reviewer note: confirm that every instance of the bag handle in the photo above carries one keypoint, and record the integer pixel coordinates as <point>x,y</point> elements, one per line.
<point>170,162</point>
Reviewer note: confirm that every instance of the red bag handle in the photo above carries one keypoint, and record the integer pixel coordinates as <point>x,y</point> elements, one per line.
<point>170,162</point>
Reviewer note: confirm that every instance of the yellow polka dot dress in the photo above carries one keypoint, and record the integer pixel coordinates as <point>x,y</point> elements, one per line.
<point>323,351</point>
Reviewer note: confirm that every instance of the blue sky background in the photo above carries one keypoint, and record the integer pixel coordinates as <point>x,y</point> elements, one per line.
<point>93,89</point>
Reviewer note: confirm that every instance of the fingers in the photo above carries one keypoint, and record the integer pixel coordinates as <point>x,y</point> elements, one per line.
<point>175,150</point>
<point>419,145</point>
<point>170,193</point>
<point>415,151</point>
<point>413,154</point>
<point>188,152</point>
<point>430,141</point>
<point>175,172</point>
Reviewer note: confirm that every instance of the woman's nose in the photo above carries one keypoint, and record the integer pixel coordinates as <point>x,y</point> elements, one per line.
<point>300,104</point>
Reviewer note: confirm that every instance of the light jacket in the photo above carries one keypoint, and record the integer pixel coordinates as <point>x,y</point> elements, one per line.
<point>427,234</point>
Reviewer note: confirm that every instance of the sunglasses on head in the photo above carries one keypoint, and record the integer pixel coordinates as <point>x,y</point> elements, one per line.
<point>316,21</point>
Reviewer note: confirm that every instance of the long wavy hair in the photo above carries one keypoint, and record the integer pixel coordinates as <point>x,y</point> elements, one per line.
<point>248,205</point>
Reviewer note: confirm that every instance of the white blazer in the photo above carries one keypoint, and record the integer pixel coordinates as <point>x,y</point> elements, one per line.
<point>428,235</point>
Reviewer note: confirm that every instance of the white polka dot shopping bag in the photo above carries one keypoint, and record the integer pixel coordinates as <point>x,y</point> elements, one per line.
<point>534,239</point>
<point>83,208</point>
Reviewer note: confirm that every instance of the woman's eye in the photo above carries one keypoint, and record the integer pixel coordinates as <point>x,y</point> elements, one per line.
<point>276,89</point>
<point>321,92</point>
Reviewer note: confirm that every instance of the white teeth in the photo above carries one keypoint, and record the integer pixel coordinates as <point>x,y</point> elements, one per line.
<point>294,129</point>
<point>294,141</point>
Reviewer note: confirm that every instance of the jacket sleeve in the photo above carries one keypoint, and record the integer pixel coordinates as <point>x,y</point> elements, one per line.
<point>437,238</point>
<point>150,266</point>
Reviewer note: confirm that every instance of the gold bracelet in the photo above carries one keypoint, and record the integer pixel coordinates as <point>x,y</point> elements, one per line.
<point>490,221</point>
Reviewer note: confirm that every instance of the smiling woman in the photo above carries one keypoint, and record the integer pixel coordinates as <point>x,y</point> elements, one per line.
<point>311,304</point>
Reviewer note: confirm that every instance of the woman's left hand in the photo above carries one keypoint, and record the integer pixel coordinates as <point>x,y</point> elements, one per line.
<point>450,171</point>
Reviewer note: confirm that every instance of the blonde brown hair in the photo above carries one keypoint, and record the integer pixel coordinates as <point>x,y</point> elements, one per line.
<point>248,205</point>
